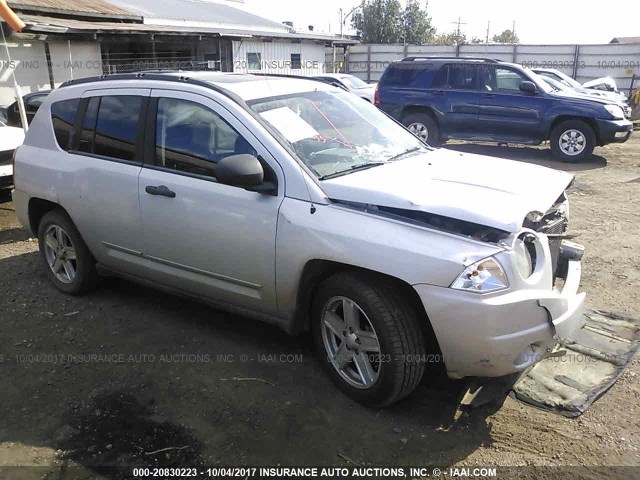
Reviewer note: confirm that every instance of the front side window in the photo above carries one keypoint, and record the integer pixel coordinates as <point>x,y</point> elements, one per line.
<point>191,138</point>
<point>254,61</point>
<point>508,80</point>
<point>335,133</point>
<point>116,128</point>
<point>63,116</point>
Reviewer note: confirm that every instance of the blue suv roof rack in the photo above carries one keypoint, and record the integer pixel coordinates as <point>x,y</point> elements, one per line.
<point>427,58</point>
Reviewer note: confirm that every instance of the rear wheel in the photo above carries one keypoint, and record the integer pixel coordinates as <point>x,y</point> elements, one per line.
<point>66,257</point>
<point>572,141</point>
<point>368,338</point>
<point>423,126</point>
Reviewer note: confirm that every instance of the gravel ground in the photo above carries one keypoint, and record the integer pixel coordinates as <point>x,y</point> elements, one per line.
<point>208,388</point>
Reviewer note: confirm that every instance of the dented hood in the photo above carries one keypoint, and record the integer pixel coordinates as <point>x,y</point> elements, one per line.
<point>484,190</point>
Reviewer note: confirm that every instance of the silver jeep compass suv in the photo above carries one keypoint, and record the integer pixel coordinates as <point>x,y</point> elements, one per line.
<point>298,203</point>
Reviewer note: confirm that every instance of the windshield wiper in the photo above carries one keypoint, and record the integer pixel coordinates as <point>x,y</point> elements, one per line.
<point>354,168</point>
<point>406,152</point>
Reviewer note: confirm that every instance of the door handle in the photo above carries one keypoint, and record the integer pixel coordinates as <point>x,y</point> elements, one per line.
<point>489,95</point>
<point>438,93</point>
<point>160,190</point>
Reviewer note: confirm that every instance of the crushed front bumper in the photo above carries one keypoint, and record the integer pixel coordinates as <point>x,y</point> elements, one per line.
<point>498,334</point>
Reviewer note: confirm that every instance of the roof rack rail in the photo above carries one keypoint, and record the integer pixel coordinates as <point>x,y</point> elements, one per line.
<point>155,75</point>
<point>334,83</point>
<point>427,57</point>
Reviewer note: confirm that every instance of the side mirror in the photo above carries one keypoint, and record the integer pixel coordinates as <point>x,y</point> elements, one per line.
<point>240,171</point>
<point>528,87</point>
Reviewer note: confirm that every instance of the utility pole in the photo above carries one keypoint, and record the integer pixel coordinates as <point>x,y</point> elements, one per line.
<point>486,44</point>
<point>459,22</point>
<point>343,19</point>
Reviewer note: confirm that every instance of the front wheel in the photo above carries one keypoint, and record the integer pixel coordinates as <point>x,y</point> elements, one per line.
<point>368,338</point>
<point>572,141</point>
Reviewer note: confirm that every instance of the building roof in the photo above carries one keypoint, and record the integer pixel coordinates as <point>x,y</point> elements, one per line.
<point>164,17</point>
<point>79,8</point>
<point>53,25</point>
<point>625,40</point>
<point>197,13</point>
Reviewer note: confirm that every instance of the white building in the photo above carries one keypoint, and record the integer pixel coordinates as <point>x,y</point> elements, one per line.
<point>67,39</point>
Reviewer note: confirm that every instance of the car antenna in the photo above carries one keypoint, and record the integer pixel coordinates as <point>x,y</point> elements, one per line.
<point>312,208</point>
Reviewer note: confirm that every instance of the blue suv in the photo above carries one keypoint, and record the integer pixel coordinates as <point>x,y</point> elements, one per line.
<point>486,100</point>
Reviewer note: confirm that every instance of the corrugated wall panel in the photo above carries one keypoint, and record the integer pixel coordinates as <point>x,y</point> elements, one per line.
<point>276,57</point>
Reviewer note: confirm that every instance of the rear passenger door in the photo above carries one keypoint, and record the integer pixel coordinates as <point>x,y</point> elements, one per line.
<point>201,236</point>
<point>104,162</point>
<point>457,84</point>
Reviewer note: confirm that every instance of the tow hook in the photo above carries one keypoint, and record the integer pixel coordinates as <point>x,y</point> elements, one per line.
<point>556,353</point>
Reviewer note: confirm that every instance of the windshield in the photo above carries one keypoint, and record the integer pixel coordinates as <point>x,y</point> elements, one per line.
<point>353,82</point>
<point>336,133</point>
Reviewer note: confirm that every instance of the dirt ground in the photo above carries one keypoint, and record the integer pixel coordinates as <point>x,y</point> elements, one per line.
<point>205,387</point>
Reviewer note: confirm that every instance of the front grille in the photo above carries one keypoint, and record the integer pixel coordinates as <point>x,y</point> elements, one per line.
<point>555,227</point>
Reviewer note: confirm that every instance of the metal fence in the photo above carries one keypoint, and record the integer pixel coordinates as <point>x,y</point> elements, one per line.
<point>582,62</point>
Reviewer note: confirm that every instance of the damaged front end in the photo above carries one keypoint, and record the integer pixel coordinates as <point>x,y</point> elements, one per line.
<point>515,318</point>
<point>554,224</point>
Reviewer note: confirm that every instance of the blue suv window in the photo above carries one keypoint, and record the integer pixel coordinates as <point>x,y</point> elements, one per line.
<point>463,77</point>
<point>403,74</point>
<point>508,80</point>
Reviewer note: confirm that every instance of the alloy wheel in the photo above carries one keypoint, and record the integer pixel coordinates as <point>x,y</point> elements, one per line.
<point>351,342</point>
<point>60,254</point>
<point>419,130</point>
<point>572,142</point>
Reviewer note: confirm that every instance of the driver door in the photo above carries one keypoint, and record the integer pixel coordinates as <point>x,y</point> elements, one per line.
<point>506,112</point>
<point>200,236</point>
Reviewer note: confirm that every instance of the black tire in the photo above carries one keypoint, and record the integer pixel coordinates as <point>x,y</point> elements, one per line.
<point>430,125</point>
<point>400,364</point>
<point>86,277</point>
<point>582,130</point>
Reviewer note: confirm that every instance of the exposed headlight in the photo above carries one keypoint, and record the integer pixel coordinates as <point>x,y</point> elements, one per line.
<point>615,111</point>
<point>525,255</point>
<point>482,277</point>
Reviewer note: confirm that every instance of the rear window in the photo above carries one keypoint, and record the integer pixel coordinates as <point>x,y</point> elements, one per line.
<point>407,74</point>
<point>63,116</point>
<point>110,127</point>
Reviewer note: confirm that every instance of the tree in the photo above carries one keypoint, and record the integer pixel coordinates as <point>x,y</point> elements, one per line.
<point>453,38</point>
<point>416,24</point>
<point>378,21</point>
<point>506,37</point>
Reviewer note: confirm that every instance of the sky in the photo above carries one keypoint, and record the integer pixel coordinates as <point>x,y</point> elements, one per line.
<point>541,21</point>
